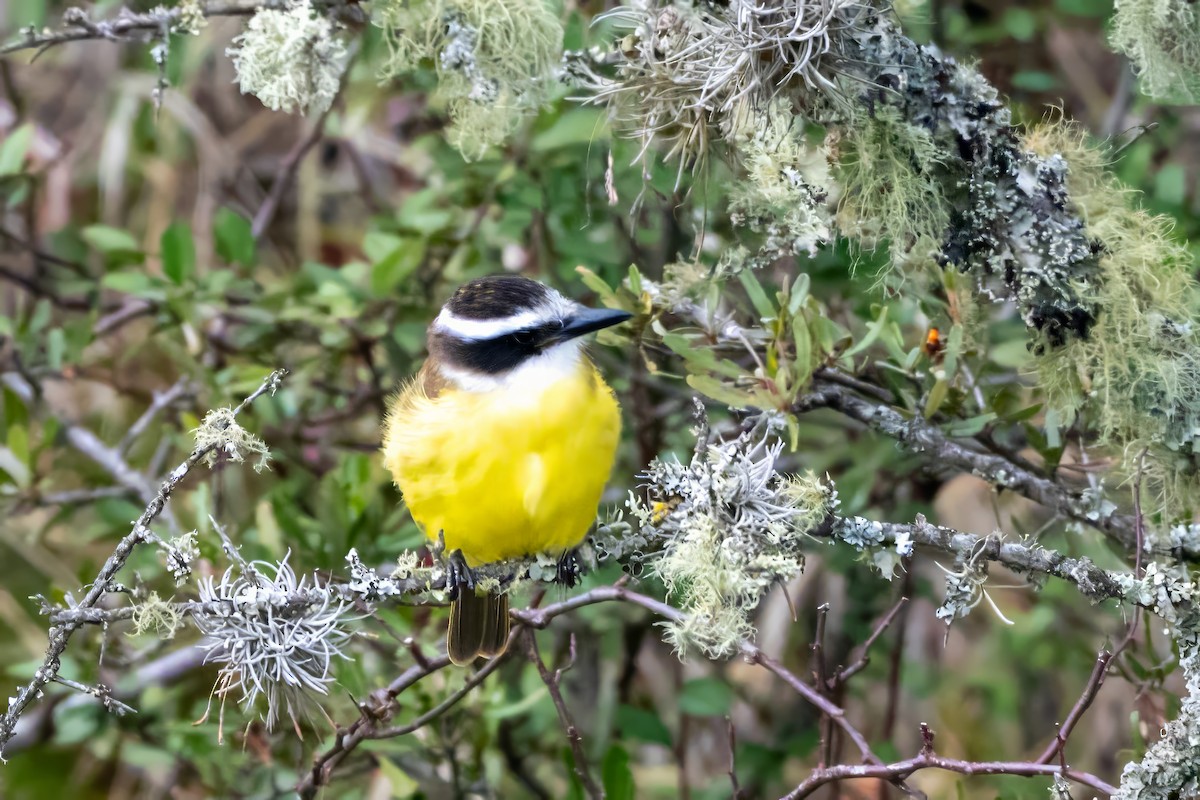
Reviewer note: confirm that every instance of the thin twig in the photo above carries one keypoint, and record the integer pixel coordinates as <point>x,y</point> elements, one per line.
<point>733,778</point>
<point>1090,689</point>
<point>553,681</point>
<point>288,167</point>
<point>161,401</point>
<point>864,658</point>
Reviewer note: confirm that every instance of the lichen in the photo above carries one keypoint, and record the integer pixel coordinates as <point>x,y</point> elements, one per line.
<point>1138,372</point>
<point>782,191</point>
<point>221,435</point>
<point>1162,39</point>
<point>891,171</point>
<point>731,528</point>
<point>1170,767</point>
<point>291,60</point>
<point>495,60</point>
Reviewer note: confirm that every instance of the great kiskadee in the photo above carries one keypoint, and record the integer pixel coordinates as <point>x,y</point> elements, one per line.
<point>504,440</point>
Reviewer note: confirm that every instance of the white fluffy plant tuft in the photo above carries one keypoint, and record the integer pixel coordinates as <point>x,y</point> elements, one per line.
<point>291,60</point>
<point>733,527</point>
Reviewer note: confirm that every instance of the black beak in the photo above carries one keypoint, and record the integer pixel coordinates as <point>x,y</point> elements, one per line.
<point>587,320</point>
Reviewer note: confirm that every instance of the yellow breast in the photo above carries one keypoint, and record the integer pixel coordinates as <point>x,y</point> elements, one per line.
<point>507,472</point>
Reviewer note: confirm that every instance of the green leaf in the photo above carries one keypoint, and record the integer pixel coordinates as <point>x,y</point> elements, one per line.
<point>799,293</point>
<point>616,775</point>
<point>597,284</point>
<point>937,395</point>
<point>1032,80</point>
<point>577,126</point>
<point>758,296</point>
<point>803,340</point>
<point>13,150</point>
<point>970,426</point>
<point>397,266</point>
<point>954,346</point>
<point>705,697</point>
<point>1024,414</point>
<point>128,282</point>
<point>107,239</point>
<point>1021,23</point>
<point>638,724</point>
<point>401,783</point>
<point>721,392</point>
<point>56,345</point>
<point>178,252</point>
<point>233,237</point>
<point>635,280</point>
<point>701,359</point>
<point>873,331</point>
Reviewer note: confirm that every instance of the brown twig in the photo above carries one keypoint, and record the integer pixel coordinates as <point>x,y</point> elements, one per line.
<point>553,681</point>
<point>1090,689</point>
<point>926,759</point>
<point>864,658</point>
<point>288,167</point>
<point>733,778</point>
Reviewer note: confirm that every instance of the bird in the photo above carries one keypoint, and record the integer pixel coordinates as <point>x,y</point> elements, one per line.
<point>502,443</point>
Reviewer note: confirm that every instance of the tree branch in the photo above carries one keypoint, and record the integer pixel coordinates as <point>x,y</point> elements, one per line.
<point>61,634</point>
<point>77,26</point>
<point>553,681</point>
<point>927,439</point>
<point>927,760</point>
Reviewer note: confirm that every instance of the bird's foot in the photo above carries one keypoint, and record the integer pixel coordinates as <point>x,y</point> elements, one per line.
<point>458,574</point>
<point>569,569</point>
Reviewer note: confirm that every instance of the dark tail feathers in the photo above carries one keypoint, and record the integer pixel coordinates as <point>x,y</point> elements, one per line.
<point>478,626</point>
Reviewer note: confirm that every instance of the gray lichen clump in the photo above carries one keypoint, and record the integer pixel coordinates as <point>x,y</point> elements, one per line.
<point>731,527</point>
<point>1011,223</point>
<point>1170,768</point>
<point>495,60</point>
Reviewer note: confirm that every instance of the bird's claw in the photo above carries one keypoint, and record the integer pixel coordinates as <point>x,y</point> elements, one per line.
<point>458,574</point>
<point>569,569</point>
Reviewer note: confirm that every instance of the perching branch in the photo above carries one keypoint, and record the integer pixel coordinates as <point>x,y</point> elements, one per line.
<point>60,634</point>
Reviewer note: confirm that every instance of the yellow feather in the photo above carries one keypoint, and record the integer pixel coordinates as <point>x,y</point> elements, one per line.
<point>508,472</point>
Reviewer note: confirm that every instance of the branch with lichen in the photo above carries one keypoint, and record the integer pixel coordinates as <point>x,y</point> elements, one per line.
<point>919,154</point>
<point>60,634</point>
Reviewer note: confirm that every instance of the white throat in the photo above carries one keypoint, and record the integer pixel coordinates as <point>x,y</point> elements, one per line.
<point>532,375</point>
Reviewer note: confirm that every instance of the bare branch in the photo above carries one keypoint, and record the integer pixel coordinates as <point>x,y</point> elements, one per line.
<point>928,760</point>
<point>1099,671</point>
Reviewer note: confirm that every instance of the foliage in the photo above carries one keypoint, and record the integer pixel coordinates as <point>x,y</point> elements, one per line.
<point>799,203</point>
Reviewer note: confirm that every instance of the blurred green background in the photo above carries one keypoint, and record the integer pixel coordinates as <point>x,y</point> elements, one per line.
<point>149,274</point>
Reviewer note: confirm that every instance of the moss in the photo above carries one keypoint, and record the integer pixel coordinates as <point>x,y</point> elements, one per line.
<point>1137,373</point>
<point>892,174</point>
<point>782,190</point>
<point>495,60</point>
<point>1162,39</point>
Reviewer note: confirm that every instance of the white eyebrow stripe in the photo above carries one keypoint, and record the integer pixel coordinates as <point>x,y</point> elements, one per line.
<point>487,328</point>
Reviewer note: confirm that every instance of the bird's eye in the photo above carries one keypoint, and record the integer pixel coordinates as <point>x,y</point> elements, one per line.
<point>523,337</point>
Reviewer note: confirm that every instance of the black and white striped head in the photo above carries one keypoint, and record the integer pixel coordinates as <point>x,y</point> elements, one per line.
<point>507,329</point>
